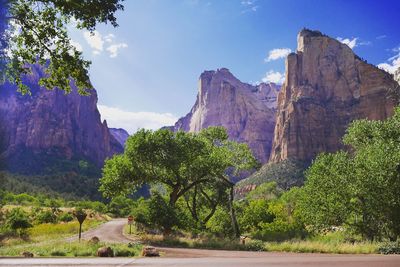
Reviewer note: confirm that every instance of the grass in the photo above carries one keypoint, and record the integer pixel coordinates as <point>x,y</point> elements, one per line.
<point>307,246</point>
<point>331,243</point>
<point>62,248</point>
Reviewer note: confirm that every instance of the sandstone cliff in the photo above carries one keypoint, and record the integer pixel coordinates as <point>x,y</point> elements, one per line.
<point>120,135</point>
<point>246,111</point>
<point>326,87</point>
<point>52,125</point>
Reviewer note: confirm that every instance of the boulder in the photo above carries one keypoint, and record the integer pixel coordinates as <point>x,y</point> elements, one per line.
<point>105,252</point>
<point>149,251</point>
<point>94,240</point>
<point>27,254</point>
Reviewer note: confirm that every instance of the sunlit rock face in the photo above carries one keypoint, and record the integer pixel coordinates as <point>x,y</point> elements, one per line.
<point>246,111</point>
<point>326,87</point>
<point>120,135</point>
<point>50,124</point>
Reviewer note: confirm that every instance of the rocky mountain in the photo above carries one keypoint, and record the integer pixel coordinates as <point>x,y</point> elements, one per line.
<point>45,125</point>
<point>120,135</point>
<point>326,87</point>
<point>246,111</point>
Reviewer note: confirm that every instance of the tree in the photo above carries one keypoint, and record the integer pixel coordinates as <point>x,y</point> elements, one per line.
<point>35,31</point>
<point>17,220</point>
<point>185,163</point>
<point>359,190</point>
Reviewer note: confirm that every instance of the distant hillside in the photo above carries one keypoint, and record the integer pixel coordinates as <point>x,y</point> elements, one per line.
<point>121,135</point>
<point>44,129</point>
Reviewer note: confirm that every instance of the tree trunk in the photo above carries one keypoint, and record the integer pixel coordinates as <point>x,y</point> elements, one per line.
<point>235,224</point>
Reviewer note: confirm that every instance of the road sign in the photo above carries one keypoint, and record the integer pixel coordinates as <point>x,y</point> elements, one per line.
<point>130,220</point>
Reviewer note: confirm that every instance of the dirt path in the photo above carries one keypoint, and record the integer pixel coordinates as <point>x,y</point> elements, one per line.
<point>108,232</point>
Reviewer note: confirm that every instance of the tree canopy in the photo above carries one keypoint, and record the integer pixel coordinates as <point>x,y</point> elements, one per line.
<point>192,167</point>
<point>35,31</point>
<point>358,189</point>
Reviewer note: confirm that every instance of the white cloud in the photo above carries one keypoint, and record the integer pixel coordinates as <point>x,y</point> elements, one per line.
<point>109,38</point>
<point>95,41</point>
<point>132,121</point>
<point>380,37</point>
<point>393,63</point>
<point>274,77</point>
<point>277,53</point>
<point>350,42</point>
<point>77,45</point>
<point>249,5</point>
<point>114,48</point>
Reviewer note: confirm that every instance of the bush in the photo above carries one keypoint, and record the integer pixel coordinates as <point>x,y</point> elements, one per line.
<point>278,230</point>
<point>255,245</point>
<point>58,253</point>
<point>17,220</point>
<point>124,252</point>
<point>66,217</point>
<point>390,247</point>
<point>46,217</point>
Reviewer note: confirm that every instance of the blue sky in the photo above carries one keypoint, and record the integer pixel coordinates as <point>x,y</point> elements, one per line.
<point>146,70</point>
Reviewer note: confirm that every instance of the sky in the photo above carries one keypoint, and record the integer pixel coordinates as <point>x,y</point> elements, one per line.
<point>146,70</point>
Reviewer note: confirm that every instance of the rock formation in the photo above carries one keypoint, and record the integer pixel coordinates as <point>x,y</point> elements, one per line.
<point>121,135</point>
<point>246,111</point>
<point>326,87</point>
<point>51,124</point>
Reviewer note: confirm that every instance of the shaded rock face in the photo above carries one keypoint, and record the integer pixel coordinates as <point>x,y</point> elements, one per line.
<point>52,124</point>
<point>326,87</point>
<point>121,135</point>
<point>246,111</point>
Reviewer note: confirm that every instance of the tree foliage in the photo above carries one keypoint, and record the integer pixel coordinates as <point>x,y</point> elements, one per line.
<point>359,190</point>
<point>37,33</point>
<point>193,167</point>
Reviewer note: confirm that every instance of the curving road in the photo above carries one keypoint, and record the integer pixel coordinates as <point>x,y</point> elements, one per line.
<point>112,232</point>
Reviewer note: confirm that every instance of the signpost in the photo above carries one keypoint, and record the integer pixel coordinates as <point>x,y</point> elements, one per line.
<point>81,216</point>
<point>130,222</point>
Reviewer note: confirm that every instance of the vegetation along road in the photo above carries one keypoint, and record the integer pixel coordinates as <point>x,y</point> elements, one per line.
<point>112,232</point>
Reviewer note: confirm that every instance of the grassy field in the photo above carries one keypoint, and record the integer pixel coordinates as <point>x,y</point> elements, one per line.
<point>50,240</point>
<point>63,248</point>
<point>331,243</point>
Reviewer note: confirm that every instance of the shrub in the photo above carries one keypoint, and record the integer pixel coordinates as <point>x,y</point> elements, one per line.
<point>390,247</point>
<point>58,253</point>
<point>17,220</point>
<point>66,217</point>
<point>46,217</point>
<point>278,230</point>
<point>255,245</point>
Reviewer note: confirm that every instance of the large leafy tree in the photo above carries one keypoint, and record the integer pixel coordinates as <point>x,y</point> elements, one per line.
<point>35,31</point>
<point>192,166</point>
<point>358,189</point>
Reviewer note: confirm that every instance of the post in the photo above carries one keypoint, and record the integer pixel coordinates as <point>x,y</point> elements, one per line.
<point>80,231</point>
<point>130,222</point>
<point>80,216</point>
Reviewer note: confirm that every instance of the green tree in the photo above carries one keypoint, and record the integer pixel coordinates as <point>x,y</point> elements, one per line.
<point>325,200</point>
<point>37,33</point>
<point>360,189</point>
<point>18,221</point>
<point>185,163</point>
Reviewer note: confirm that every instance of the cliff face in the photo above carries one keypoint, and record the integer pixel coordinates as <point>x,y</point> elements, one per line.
<point>120,135</point>
<point>52,124</point>
<point>246,111</point>
<point>326,87</point>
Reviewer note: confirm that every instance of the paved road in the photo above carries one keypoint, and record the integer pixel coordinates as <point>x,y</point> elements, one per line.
<point>112,232</point>
<point>109,232</point>
<point>223,259</point>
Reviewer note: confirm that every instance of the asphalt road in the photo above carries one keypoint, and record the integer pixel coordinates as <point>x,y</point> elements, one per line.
<point>112,232</point>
